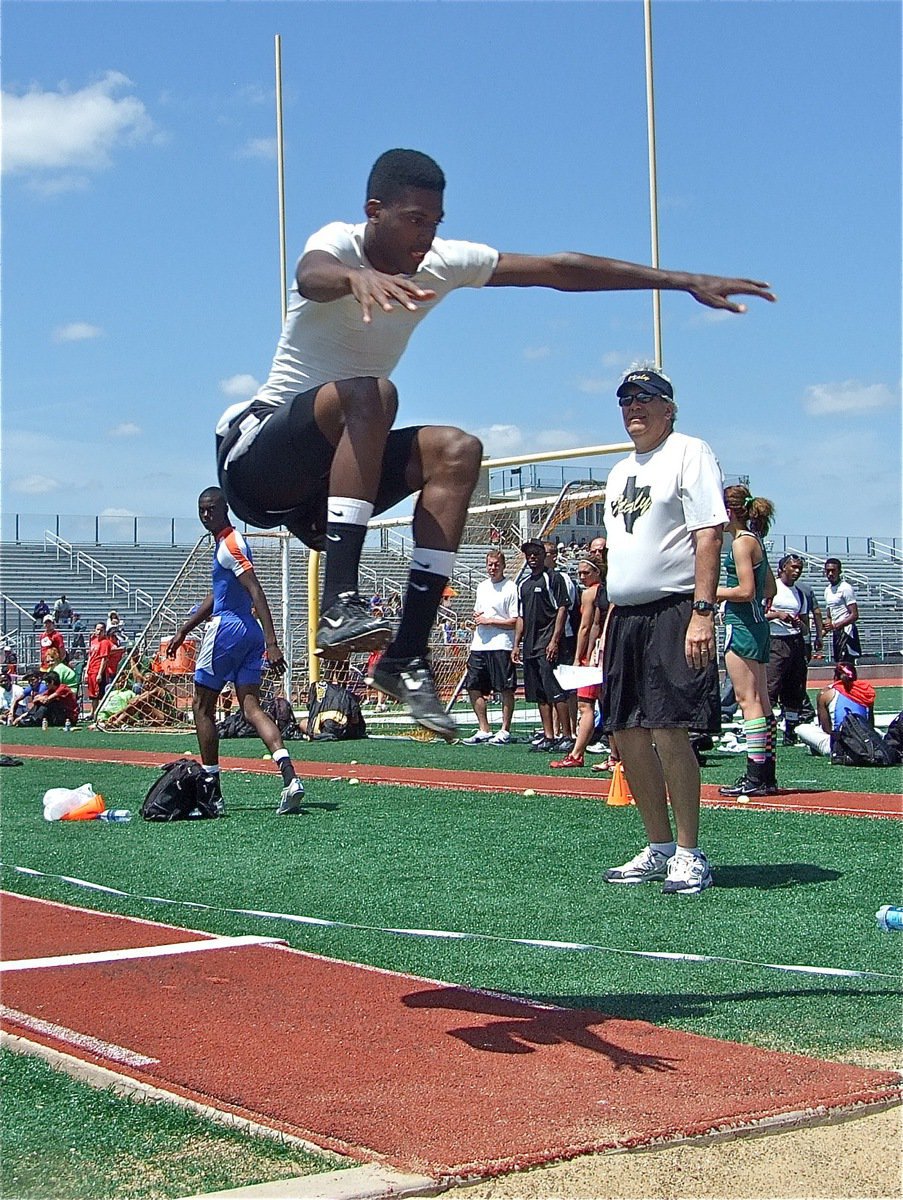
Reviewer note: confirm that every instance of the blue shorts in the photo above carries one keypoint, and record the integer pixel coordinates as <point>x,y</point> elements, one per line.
<point>231,652</point>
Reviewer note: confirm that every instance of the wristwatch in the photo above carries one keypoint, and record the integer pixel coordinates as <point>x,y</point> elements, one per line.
<point>703,606</point>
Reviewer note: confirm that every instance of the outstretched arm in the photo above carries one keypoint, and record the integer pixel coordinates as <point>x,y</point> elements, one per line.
<point>573,272</point>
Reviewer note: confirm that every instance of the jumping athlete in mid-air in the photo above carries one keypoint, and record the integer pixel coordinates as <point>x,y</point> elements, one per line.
<point>233,652</point>
<point>315,450</point>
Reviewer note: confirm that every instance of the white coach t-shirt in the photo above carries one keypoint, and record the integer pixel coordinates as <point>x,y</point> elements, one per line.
<point>653,503</point>
<point>498,601</point>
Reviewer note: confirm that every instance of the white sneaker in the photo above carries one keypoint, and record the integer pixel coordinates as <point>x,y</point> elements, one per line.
<point>502,738</point>
<point>648,865</point>
<point>292,800</point>
<point>478,738</point>
<point>688,875</point>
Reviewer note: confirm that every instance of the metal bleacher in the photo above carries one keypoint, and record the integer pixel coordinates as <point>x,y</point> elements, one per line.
<point>134,579</point>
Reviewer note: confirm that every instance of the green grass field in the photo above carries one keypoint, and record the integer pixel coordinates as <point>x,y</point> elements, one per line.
<point>794,889</point>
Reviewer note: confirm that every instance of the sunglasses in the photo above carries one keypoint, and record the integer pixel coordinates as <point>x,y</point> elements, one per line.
<point>640,397</point>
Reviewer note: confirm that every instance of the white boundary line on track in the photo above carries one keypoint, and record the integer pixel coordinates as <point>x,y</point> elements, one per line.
<point>129,1058</point>
<point>540,943</point>
<point>134,952</point>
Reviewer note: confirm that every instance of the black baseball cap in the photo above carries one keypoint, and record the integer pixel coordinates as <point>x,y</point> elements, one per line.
<point>533,545</point>
<point>649,381</point>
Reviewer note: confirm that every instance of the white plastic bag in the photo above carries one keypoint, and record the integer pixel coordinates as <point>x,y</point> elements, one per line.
<point>59,801</point>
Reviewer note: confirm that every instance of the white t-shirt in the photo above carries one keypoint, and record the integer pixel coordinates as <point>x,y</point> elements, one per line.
<point>790,600</point>
<point>653,503</point>
<point>838,600</point>
<point>322,342</point>
<point>10,697</point>
<point>498,601</point>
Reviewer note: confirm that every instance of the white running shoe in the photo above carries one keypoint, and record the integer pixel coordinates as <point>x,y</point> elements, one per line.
<point>478,738</point>
<point>688,875</point>
<point>292,800</point>
<point>648,865</point>
<point>502,738</point>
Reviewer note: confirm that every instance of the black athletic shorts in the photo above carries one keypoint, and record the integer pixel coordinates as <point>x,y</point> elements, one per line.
<point>490,671</point>
<point>540,684</point>
<point>648,682</point>
<point>283,476</point>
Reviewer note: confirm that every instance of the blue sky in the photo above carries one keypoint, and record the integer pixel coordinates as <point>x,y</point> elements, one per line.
<point>140,266</point>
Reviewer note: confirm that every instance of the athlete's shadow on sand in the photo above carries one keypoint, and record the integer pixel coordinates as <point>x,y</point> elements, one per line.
<point>515,1027</point>
<point>766,876</point>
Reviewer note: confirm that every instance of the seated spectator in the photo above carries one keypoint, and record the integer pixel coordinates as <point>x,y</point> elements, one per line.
<point>11,695</point>
<point>50,636</point>
<point>847,694</point>
<point>10,661</point>
<point>154,705</point>
<point>62,611</point>
<point>78,624</point>
<point>56,706</point>
<point>40,611</point>
<point>32,686</point>
<point>63,670</point>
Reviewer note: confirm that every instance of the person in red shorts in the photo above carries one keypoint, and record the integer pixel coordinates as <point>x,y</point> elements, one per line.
<point>97,670</point>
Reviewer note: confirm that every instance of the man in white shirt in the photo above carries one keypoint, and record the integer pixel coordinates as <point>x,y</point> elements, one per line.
<point>490,668</point>
<point>842,613</point>
<point>10,695</point>
<point>316,451</point>
<point>664,515</point>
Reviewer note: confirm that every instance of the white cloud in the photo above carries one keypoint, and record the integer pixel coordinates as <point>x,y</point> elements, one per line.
<point>264,148</point>
<point>34,485</point>
<point>556,439</point>
<point>239,387</point>
<point>72,130</point>
<point>535,353</point>
<point>595,386</point>
<point>125,429</point>
<point>501,440</point>
<point>118,512</point>
<point>828,399</point>
<point>77,331</point>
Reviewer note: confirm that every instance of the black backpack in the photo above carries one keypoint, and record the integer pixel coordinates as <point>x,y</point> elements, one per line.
<point>179,794</point>
<point>334,714</point>
<point>279,709</point>
<point>857,744</point>
<point>893,741</point>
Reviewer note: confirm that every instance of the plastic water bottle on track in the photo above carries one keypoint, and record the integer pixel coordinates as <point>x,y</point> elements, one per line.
<point>889,916</point>
<point>118,815</point>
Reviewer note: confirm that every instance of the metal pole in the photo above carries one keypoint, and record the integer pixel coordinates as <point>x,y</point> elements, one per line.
<point>280,177</point>
<point>653,178</point>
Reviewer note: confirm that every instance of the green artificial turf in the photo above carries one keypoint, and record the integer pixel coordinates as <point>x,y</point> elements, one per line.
<point>792,889</point>
<point>66,1140</point>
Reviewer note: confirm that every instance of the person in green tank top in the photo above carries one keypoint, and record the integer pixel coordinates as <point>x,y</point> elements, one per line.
<point>748,583</point>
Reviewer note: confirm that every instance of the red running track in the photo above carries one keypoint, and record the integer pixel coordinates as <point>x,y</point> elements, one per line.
<point>839,804</point>
<point>382,1066</point>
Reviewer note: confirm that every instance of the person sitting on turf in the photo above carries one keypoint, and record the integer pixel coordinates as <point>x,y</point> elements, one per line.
<point>57,705</point>
<point>315,449</point>
<point>11,694</point>
<point>847,694</point>
<point>233,651</point>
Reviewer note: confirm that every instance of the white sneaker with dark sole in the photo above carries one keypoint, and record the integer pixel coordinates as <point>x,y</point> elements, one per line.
<point>688,875</point>
<point>502,738</point>
<point>292,800</point>
<point>478,738</point>
<point>645,867</point>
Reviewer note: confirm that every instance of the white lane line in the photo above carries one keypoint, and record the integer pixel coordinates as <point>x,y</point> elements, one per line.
<point>100,956</point>
<point>60,1033</point>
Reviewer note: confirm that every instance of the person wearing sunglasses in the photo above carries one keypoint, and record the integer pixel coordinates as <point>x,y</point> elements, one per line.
<point>664,516</point>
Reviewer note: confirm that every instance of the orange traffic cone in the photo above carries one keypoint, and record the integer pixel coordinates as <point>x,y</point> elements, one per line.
<point>86,812</point>
<point>619,792</point>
